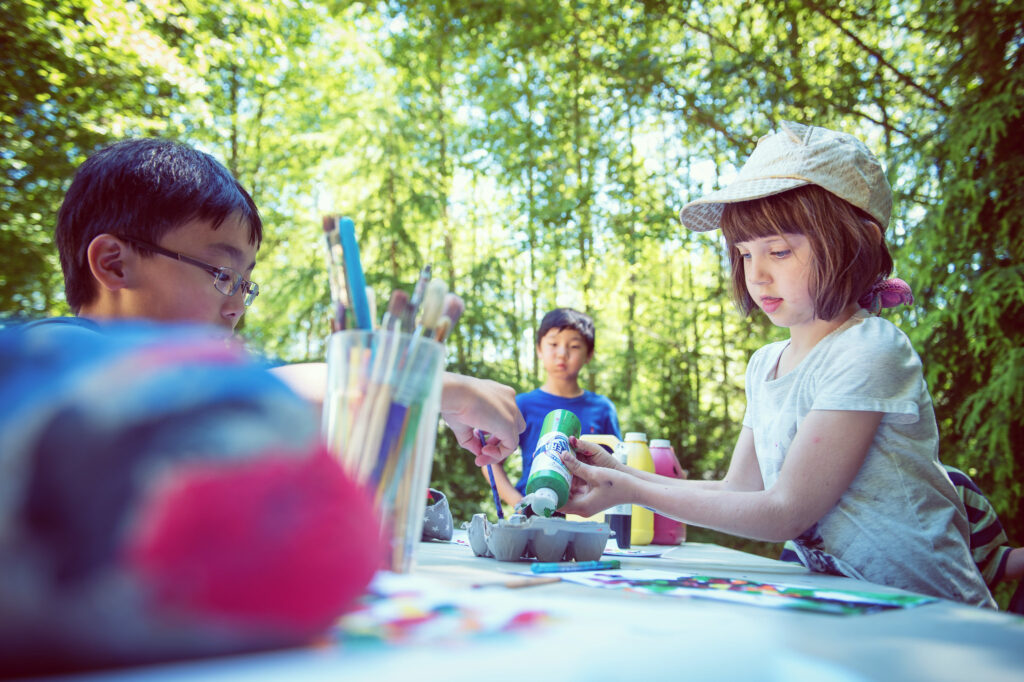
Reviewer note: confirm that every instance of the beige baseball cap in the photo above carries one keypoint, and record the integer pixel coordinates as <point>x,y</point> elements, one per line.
<point>794,156</point>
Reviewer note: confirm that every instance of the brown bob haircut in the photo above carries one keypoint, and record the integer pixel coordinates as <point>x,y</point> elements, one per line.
<point>847,244</point>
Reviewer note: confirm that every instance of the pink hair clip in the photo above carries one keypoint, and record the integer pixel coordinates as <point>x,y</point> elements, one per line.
<point>886,293</point>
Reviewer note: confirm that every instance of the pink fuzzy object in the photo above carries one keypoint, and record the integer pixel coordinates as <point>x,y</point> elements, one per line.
<point>274,545</point>
<point>887,293</point>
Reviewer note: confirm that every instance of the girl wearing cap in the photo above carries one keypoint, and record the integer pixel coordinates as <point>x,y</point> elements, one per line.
<point>839,445</point>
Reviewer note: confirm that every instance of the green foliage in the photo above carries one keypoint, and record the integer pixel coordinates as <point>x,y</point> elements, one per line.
<point>69,86</point>
<point>536,154</point>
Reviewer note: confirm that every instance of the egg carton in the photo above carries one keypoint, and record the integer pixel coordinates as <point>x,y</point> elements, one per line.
<point>546,539</point>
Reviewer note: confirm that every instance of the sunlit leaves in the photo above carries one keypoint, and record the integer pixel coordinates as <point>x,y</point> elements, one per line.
<point>536,152</point>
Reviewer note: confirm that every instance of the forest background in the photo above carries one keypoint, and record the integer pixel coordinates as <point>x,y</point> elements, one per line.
<point>536,153</point>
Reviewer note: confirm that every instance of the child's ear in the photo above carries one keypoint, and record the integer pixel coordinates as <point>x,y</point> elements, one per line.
<point>107,255</point>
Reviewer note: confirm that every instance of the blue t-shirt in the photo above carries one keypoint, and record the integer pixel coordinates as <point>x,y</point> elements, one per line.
<point>595,412</point>
<point>49,323</point>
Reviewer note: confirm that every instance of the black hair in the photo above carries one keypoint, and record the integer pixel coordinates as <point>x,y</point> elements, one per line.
<point>567,318</point>
<point>143,188</point>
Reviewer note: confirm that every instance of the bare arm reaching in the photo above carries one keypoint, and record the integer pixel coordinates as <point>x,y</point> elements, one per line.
<point>824,458</point>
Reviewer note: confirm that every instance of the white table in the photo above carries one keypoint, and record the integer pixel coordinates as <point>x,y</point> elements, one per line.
<point>601,634</point>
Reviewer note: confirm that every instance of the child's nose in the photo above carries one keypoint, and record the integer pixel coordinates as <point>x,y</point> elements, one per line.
<point>233,307</point>
<point>757,272</point>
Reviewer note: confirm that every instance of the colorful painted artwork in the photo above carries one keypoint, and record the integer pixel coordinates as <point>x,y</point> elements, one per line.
<point>402,609</point>
<point>832,601</point>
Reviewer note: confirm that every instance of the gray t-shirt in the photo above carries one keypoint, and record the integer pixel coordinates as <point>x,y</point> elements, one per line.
<point>900,523</point>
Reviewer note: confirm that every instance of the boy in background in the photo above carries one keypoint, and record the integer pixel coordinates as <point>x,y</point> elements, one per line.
<point>565,343</point>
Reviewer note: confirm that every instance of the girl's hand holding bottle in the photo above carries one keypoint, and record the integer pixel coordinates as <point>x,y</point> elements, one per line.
<point>599,485</point>
<point>594,454</point>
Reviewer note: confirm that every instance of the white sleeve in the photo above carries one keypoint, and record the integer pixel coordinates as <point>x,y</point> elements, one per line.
<point>872,367</point>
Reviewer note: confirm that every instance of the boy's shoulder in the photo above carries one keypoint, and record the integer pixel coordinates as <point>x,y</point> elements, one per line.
<point>60,329</point>
<point>539,396</point>
<point>597,400</point>
<point>60,323</point>
<point>25,322</point>
<point>536,396</point>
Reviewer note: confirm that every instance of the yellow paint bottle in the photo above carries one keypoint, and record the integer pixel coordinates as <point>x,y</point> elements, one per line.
<point>638,456</point>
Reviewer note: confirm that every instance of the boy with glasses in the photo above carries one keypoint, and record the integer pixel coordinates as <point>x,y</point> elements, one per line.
<point>155,229</point>
<point>158,230</point>
<point>157,479</point>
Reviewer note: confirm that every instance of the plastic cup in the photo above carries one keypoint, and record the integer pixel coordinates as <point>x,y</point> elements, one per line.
<point>380,419</point>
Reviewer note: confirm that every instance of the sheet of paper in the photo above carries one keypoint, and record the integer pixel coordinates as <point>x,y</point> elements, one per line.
<point>771,595</point>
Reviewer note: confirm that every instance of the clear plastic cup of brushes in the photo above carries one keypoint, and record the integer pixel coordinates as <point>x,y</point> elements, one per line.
<point>380,419</point>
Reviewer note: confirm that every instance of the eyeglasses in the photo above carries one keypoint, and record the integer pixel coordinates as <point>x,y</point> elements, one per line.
<point>226,280</point>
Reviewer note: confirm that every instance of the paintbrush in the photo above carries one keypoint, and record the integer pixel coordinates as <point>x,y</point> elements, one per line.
<point>342,434</point>
<point>401,488</point>
<point>410,392</point>
<point>354,274</point>
<point>335,273</point>
<point>433,304</point>
<point>417,297</point>
<point>490,475</point>
<point>371,304</point>
<point>371,423</point>
<point>396,309</point>
<point>382,385</point>
<point>338,408</point>
<point>451,312</point>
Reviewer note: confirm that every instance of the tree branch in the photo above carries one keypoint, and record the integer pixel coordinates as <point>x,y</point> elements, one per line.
<point>902,77</point>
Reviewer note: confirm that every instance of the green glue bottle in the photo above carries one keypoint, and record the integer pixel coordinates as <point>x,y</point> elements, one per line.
<point>548,485</point>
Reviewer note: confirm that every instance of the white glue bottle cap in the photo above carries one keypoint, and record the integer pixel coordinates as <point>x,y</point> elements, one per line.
<point>635,436</point>
<point>545,501</point>
<point>660,443</point>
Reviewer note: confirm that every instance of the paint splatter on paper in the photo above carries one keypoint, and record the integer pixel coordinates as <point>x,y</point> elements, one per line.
<point>832,601</point>
<point>402,609</point>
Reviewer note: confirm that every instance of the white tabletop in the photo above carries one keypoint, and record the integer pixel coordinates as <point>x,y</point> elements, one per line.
<point>586,633</point>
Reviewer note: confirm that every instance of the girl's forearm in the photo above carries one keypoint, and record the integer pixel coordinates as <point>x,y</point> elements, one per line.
<point>757,514</point>
<point>688,483</point>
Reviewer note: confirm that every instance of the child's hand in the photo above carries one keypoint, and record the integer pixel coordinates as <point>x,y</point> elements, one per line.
<point>593,454</point>
<point>594,488</point>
